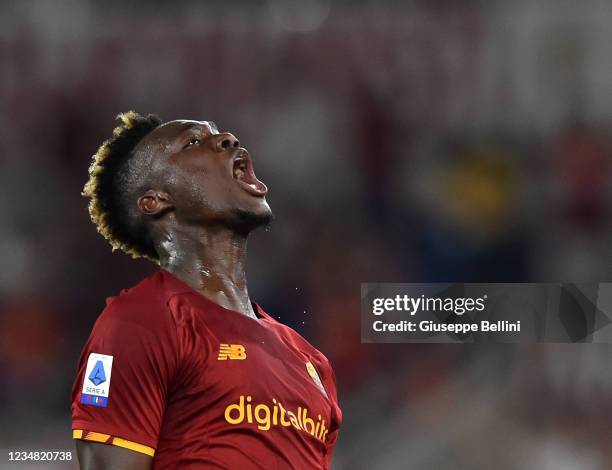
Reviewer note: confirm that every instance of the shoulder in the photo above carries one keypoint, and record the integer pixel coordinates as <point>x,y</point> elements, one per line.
<point>299,342</point>
<point>144,305</point>
<point>138,330</point>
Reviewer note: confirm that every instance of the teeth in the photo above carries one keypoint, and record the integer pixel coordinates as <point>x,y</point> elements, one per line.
<point>240,169</point>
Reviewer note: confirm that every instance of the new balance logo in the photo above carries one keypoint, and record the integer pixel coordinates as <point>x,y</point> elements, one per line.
<point>231,351</point>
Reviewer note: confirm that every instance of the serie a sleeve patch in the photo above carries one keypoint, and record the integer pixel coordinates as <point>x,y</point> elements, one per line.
<point>97,380</point>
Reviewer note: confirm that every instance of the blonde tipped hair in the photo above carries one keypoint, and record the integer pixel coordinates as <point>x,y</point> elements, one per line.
<point>107,187</point>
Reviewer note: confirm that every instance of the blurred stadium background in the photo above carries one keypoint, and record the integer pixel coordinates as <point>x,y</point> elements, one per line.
<point>415,141</point>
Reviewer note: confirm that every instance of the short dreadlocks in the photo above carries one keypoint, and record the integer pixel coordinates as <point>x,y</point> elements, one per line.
<point>113,180</point>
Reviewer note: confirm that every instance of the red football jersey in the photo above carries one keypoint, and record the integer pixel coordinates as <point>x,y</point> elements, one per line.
<point>172,374</point>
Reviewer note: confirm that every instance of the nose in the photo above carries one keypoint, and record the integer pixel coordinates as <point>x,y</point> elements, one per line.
<point>226,141</point>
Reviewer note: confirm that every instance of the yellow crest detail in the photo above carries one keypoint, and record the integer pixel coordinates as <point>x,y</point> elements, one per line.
<point>315,377</point>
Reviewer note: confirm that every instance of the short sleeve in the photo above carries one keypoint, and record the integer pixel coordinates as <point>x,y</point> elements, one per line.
<point>124,376</point>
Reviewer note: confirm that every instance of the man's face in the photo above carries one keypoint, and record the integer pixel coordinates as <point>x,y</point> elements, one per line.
<point>207,175</point>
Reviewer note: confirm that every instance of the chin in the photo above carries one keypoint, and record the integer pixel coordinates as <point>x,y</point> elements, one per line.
<point>245,221</point>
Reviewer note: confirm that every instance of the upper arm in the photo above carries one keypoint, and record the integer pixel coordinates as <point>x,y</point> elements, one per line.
<point>96,456</point>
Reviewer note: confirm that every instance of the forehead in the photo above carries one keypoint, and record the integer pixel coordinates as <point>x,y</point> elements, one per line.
<point>175,128</point>
<point>167,133</point>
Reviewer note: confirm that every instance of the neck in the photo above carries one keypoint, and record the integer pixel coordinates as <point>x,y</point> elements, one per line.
<point>211,261</point>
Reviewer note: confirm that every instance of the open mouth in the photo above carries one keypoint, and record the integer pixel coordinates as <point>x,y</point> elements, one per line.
<point>244,175</point>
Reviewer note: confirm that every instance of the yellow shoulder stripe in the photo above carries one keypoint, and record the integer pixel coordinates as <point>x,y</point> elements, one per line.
<point>116,441</point>
<point>150,451</point>
<point>91,436</point>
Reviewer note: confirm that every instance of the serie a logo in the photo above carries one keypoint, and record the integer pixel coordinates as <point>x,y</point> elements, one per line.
<point>266,416</point>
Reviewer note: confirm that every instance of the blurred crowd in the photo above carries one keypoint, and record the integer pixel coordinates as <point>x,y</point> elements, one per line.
<point>429,142</point>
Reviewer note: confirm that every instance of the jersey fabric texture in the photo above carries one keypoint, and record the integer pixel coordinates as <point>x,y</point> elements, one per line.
<point>195,385</point>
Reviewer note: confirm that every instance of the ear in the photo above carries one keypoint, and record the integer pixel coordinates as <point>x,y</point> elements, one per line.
<point>155,203</point>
